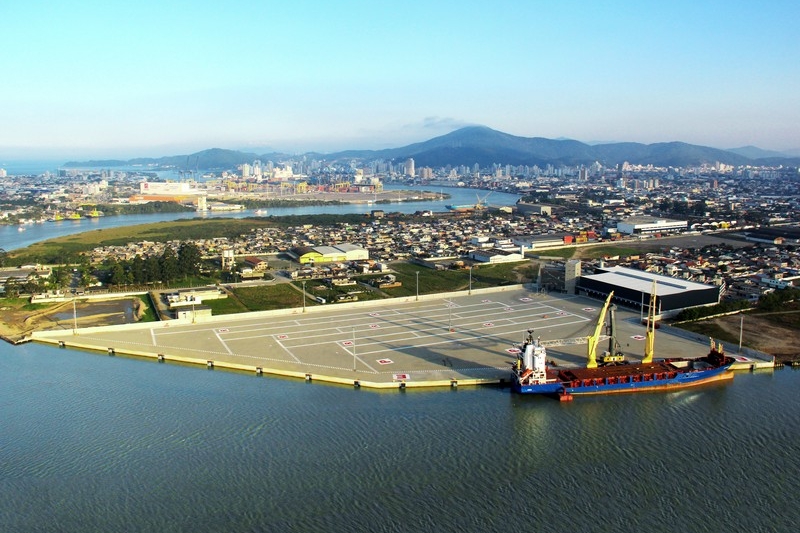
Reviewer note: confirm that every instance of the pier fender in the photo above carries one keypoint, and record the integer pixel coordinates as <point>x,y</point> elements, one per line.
<point>454,383</point>
<point>259,371</point>
<point>111,351</point>
<point>210,364</point>
<point>161,358</point>
<point>62,344</point>
<point>402,385</point>
<point>308,377</point>
<point>356,384</point>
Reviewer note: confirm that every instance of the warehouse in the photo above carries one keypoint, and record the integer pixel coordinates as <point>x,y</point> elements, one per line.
<point>329,254</point>
<point>632,289</point>
<point>650,226</point>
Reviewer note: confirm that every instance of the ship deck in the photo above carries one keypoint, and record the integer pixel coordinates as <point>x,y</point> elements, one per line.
<point>614,371</point>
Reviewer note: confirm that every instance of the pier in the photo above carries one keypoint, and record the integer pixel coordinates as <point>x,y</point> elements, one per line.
<point>443,340</point>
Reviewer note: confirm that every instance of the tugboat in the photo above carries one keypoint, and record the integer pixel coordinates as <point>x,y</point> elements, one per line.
<point>531,375</point>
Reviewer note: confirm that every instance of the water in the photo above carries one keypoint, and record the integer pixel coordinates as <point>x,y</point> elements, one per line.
<point>11,238</point>
<point>92,443</point>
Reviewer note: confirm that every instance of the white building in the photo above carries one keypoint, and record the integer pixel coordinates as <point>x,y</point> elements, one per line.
<point>650,225</point>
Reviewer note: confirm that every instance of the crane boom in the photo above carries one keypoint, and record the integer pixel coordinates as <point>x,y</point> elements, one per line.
<point>650,336</point>
<point>595,338</point>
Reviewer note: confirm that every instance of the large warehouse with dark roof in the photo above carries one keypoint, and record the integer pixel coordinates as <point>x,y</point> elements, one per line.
<point>632,288</point>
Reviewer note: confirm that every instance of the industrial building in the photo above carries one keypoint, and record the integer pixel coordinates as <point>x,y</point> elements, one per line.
<point>329,254</point>
<point>632,289</point>
<point>644,225</point>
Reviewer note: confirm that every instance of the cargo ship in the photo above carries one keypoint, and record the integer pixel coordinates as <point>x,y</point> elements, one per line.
<point>532,375</point>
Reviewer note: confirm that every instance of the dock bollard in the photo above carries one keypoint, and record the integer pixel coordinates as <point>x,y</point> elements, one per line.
<point>210,364</point>
<point>111,351</point>
<point>259,371</point>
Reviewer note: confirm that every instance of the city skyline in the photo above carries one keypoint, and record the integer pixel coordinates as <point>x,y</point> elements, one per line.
<point>104,79</point>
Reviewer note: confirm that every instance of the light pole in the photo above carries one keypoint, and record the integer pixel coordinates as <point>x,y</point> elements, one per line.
<point>304,296</point>
<point>470,279</point>
<point>417,299</point>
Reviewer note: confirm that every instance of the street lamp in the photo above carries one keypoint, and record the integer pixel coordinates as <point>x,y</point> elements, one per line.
<point>417,285</point>
<point>470,279</point>
<point>354,348</point>
<point>304,296</point>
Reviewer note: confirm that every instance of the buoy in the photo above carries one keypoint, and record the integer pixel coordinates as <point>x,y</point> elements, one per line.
<point>565,397</point>
<point>210,364</point>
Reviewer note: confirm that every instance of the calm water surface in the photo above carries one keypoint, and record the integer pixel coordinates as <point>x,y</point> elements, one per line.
<point>92,443</point>
<point>11,238</point>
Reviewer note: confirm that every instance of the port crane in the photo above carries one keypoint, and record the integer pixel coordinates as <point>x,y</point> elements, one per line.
<point>612,356</point>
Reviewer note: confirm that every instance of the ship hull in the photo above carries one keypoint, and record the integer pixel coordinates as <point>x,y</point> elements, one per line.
<point>625,383</point>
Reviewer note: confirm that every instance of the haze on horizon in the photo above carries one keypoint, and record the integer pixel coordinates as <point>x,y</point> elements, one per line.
<point>118,80</point>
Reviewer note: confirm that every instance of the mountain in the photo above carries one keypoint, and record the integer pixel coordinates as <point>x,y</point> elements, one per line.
<point>754,152</point>
<point>485,146</point>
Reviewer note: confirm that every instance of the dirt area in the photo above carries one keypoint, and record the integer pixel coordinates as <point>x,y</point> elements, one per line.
<point>760,332</point>
<point>18,322</point>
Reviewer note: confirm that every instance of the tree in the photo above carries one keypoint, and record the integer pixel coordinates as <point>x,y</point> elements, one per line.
<point>3,257</point>
<point>189,259</point>
<point>117,274</point>
<point>137,269</point>
<point>152,269</point>
<point>12,288</point>
<point>169,265</point>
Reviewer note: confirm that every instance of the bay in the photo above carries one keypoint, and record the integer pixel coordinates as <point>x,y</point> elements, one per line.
<point>95,443</point>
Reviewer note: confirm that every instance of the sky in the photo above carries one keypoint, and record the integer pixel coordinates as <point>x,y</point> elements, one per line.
<point>122,79</point>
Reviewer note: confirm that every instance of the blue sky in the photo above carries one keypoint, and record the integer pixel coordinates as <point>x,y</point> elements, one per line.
<point>150,78</point>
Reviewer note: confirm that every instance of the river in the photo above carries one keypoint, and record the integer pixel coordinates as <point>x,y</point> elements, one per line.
<point>11,238</point>
<point>97,443</point>
<point>94,443</point>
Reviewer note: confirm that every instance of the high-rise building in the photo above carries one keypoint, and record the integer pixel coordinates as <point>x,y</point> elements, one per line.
<point>409,171</point>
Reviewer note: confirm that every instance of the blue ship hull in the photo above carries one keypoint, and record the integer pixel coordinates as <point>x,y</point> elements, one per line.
<point>633,382</point>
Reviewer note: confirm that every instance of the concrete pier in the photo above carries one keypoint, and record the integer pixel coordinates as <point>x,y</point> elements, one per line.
<point>451,340</point>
